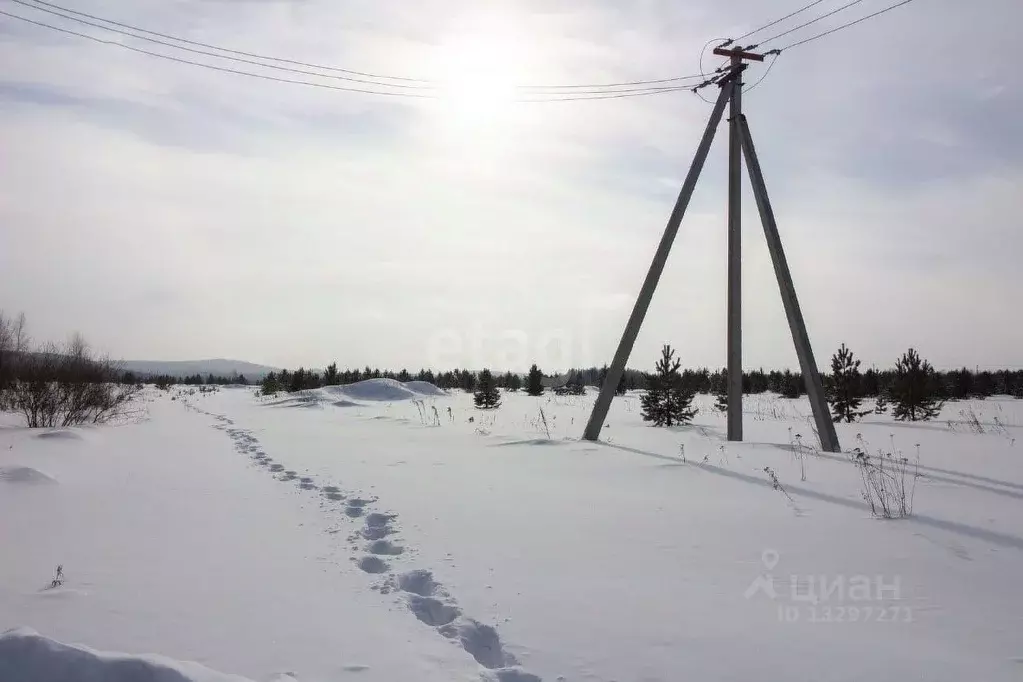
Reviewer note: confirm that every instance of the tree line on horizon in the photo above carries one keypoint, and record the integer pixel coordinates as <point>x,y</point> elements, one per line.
<point>954,384</point>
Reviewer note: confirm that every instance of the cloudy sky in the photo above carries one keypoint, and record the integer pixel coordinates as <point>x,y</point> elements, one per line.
<point>168,211</point>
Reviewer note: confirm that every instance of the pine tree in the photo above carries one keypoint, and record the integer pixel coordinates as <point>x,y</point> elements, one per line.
<point>534,382</point>
<point>792,385</point>
<point>721,391</point>
<point>881,404</point>
<point>514,382</point>
<point>667,402</point>
<point>913,389</point>
<point>467,380</point>
<point>487,396</point>
<point>330,375</point>
<point>575,385</point>
<point>270,384</point>
<point>845,394</point>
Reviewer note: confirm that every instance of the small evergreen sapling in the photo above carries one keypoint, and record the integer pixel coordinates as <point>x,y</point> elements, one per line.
<point>667,402</point>
<point>845,393</point>
<point>721,391</point>
<point>913,389</point>
<point>534,381</point>
<point>487,397</point>
<point>881,404</point>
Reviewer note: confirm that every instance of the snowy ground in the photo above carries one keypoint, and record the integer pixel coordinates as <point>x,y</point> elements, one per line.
<point>358,534</point>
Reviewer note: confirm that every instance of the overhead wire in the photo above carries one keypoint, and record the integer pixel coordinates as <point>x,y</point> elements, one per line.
<point>416,94</point>
<point>426,89</point>
<point>197,43</point>
<point>207,53</point>
<point>405,82</point>
<point>808,23</point>
<point>844,26</point>
<point>707,81</point>
<point>223,69</point>
<point>777,21</point>
<point>775,54</point>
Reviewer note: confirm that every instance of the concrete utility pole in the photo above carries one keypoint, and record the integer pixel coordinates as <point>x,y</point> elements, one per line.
<point>734,316</point>
<point>740,145</point>
<point>807,365</point>
<point>617,368</point>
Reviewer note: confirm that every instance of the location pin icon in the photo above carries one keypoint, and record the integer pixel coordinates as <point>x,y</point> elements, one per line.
<point>770,558</point>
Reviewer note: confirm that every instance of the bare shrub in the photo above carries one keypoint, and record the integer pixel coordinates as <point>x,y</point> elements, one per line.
<point>67,386</point>
<point>58,578</point>
<point>885,488</point>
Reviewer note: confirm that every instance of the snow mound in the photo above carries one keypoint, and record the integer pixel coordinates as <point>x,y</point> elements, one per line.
<point>424,388</point>
<point>59,434</point>
<point>307,399</point>
<point>344,403</point>
<point>24,475</point>
<point>387,390</point>
<point>27,656</point>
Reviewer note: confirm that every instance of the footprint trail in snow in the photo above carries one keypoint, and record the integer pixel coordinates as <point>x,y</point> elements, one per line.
<point>376,548</point>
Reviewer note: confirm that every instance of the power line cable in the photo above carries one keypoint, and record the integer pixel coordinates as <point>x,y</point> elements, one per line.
<point>777,51</point>
<point>844,26</point>
<point>411,83</point>
<point>207,53</point>
<point>808,23</point>
<point>706,80</point>
<point>776,54</point>
<point>550,97</point>
<point>611,94</point>
<point>777,21</point>
<point>277,67</point>
<point>222,69</point>
<point>365,74</point>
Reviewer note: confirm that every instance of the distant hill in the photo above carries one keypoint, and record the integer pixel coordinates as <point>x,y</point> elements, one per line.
<point>183,368</point>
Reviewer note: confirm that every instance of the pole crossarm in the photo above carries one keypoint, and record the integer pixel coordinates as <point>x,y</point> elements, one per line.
<point>738,53</point>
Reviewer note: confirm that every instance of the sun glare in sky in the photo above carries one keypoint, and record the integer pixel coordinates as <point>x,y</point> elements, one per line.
<point>481,61</point>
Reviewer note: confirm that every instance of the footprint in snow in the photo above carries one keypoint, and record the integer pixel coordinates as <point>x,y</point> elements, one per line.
<point>373,564</point>
<point>378,520</point>
<point>419,582</point>
<point>385,547</point>
<point>481,642</point>
<point>376,532</point>
<point>431,611</point>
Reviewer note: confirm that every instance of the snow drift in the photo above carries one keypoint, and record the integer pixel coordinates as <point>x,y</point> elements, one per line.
<point>15,474</point>
<point>424,388</point>
<point>386,390</point>
<point>27,656</point>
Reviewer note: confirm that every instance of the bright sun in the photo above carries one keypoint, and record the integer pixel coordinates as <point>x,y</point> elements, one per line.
<point>480,63</point>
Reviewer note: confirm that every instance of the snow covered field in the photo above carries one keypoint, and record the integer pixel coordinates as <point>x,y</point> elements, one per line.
<point>374,533</point>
